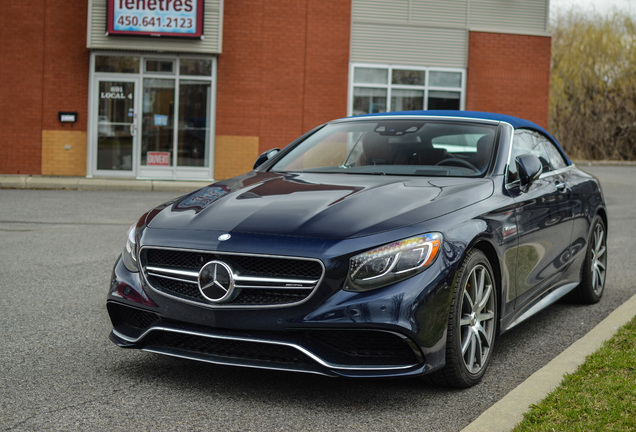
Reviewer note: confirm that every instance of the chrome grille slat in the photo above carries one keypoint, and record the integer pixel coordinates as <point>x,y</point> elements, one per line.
<point>262,280</point>
<point>160,271</point>
<point>278,287</point>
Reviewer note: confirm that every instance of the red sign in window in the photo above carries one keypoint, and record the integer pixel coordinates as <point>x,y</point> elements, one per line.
<point>158,158</point>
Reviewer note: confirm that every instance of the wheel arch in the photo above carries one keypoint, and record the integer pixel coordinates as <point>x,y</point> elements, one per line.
<point>488,249</point>
<point>602,212</point>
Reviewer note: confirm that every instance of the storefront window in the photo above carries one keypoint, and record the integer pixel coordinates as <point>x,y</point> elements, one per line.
<point>381,89</point>
<point>117,64</point>
<point>195,67</point>
<point>369,100</point>
<point>155,121</point>
<point>443,100</point>
<point>406,100</point>
<point>364,75</point>
<point>445,79</point>
<point>160,66</point>
<point>408,77</point>
<point>194,123</point>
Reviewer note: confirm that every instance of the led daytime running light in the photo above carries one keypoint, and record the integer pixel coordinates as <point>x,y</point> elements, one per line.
<point>393,262</point>
<point>129,254</point>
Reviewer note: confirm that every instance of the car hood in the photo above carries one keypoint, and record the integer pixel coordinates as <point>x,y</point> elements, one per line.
<point>319,205</point>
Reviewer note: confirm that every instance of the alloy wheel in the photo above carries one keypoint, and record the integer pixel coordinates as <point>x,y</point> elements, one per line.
<point>477,322</point>
<point>598,260</point>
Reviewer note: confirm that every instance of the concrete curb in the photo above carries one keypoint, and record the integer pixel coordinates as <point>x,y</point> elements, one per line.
<point>581,163</point>
<point>508,412</point>
<point>17,181</point>
<point>93,184</point>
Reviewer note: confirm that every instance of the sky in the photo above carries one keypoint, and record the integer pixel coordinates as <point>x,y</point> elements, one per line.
<point>603,7</point>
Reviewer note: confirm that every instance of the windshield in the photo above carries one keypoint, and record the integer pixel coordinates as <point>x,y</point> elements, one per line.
<point>394,147</point>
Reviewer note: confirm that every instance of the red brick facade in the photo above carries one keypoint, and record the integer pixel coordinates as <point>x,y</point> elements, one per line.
<point>45,67</point>
<point>509,74</point>
<point>284,68</point>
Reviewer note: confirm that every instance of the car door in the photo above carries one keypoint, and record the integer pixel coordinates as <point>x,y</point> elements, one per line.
<point>544,218</point>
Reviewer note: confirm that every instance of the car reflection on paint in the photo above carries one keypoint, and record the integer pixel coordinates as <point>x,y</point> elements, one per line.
<point>398,244</point>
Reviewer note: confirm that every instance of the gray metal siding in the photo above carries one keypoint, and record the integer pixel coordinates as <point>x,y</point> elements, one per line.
<point>408,45</point>
<point>515,16</point>
<point>210,44</point>
<point>435,32</point>
<point>440,13</point>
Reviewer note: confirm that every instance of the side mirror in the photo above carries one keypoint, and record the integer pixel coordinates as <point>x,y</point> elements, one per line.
<point>264,157</point>
<point>529,168</point>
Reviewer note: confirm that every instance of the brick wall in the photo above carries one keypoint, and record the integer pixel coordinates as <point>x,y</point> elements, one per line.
<point>509,74</point>
<point>21,91</point>
<point>283,70</point>
<point>44,70</point>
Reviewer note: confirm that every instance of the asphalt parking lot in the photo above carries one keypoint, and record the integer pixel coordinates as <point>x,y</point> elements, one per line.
<point>59,371</point>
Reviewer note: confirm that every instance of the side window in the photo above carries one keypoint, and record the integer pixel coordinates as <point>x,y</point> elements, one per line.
<point>553,154</point>
<point>530,142</point>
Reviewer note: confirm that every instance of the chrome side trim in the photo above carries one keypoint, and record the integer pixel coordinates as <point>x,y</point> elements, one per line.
<point>298,347</point>
<point>547,300</point>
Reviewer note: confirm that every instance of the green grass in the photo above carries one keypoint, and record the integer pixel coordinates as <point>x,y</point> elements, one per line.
<point>599,396</point>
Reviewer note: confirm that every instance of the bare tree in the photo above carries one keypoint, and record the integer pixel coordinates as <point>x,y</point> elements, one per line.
<point>593,85</point>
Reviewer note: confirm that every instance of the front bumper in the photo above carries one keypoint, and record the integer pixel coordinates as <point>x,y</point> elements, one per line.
<point>395,331</point>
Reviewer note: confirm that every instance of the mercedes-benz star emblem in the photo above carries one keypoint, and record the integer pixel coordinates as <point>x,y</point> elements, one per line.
<point>216,282</point>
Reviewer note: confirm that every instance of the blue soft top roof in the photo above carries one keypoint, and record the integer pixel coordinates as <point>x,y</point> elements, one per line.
<point>515,122</point>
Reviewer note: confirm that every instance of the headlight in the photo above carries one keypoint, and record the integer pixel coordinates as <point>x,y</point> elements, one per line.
<point>129,255</point>
<point>392,262</point>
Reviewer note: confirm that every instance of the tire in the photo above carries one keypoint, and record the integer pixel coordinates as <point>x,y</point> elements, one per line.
<point>593,272</point>
<point>472,324</point>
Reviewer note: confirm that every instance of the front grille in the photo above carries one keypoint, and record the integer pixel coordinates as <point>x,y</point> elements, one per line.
<point>260,280</point>
<point>230,350</point>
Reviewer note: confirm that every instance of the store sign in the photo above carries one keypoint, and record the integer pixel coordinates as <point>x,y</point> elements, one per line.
<point>175,18</point>
<point>158,158</point>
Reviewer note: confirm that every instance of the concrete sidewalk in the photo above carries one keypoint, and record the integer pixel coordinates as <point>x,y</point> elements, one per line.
<point>95,184</point>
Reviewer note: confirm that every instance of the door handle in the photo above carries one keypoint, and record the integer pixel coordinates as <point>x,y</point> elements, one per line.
<point>561,186</point>
<point>133,129</point>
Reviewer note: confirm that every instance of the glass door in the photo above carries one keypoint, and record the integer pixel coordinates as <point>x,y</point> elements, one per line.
<point>116,126</point>
<point>157,132</point>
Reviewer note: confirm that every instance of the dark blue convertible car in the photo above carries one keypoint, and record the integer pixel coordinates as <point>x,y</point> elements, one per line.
<point>398,244</point>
